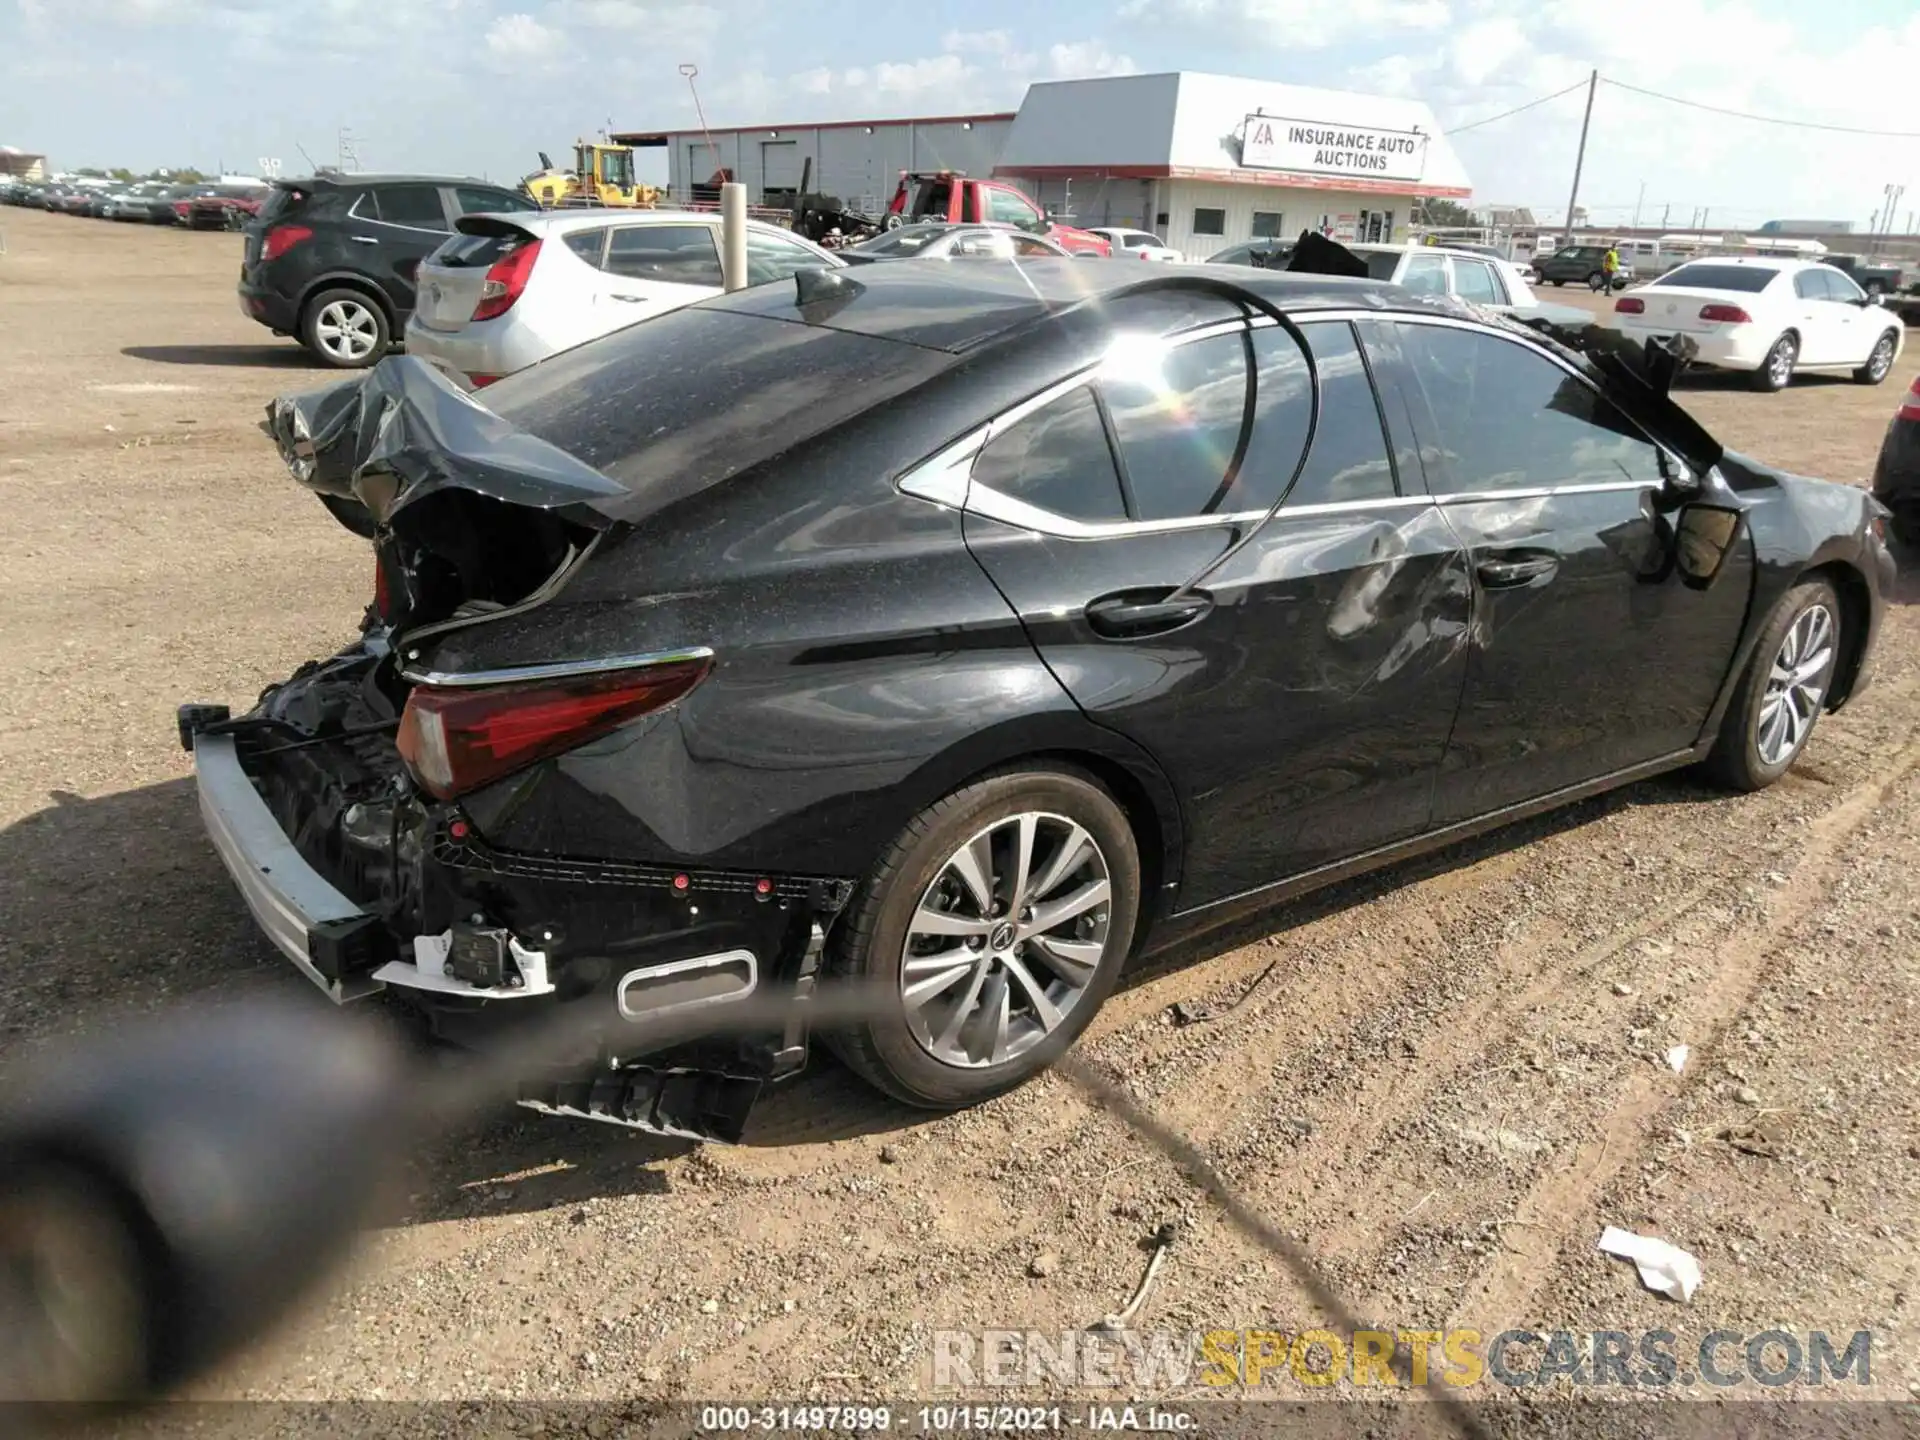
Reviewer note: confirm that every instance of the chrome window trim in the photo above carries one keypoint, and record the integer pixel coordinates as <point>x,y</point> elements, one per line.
<point>558,670</point>
<point>945,477</point>
<point>1536,492</point>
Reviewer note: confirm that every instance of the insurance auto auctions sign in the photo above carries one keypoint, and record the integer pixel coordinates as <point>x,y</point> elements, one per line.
<point>1313,147</point>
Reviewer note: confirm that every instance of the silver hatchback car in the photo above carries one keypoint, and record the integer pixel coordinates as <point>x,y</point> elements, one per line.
<point>507,291</point>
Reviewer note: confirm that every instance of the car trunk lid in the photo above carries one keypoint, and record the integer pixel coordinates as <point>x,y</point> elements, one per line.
<point>1674,308</point>
<point>452,280</point>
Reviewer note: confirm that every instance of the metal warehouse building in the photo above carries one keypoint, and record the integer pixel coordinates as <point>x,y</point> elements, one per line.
<point>1205,161</point>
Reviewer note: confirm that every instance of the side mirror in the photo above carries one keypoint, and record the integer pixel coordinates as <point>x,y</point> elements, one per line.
<point>1704,536</point>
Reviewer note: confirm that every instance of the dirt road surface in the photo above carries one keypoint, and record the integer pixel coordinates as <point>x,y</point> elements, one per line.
<point>1443,1080</point>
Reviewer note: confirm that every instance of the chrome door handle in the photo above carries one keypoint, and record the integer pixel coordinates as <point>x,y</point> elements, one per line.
<point>364,240</point>
<point>629,299</point>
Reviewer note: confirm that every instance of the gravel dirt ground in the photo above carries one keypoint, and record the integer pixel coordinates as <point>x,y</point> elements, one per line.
<point>1443,1080</point>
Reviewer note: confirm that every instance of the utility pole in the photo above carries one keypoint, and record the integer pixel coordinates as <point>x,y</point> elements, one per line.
<point>1573,199</point>
<point>1636,204</point>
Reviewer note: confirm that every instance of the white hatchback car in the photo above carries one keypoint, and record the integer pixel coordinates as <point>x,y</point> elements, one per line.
<point>1768,317</point>
<point>1140,244</point>
<point>507,291</point>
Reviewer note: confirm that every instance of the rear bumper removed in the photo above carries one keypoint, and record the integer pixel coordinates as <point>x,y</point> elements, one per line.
<point>486,944</point>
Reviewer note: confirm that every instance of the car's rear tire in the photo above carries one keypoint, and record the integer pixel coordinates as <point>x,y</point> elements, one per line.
<point>1558,284</point>
<point>1879,360</point>
<point>1777,369</point>
<point>973,999</point>
<point>1781,693</point>
<point>345,329</point>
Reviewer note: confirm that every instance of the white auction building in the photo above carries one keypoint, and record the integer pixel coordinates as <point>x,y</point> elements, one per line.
<point>1204,161</point>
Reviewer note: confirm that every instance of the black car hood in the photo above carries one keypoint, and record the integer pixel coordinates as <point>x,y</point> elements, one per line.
<point>404,430</point>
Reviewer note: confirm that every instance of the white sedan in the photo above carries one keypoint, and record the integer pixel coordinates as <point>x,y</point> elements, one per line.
<point>1140,244</point>
<point>1768,317</point>
<point>507,291</point>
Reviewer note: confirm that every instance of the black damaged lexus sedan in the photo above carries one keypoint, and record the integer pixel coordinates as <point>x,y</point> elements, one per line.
<point>963,634</point>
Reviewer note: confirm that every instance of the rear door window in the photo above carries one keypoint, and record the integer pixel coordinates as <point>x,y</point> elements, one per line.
<point>1474,280</point>
<point>478,200</point>
<point>589,245</point>
<point>1349,460</point>
<point>417,207</point>
<point>1177,413</point>
<point>673,254</point>
<point>1058,459</point>
<point>1425,274</point>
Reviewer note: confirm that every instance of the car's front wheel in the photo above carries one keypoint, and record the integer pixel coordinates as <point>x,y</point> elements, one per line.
<point>344,329</point>
<point>988,935</point>
<point>1780,696</point>
<point>1879,361</point>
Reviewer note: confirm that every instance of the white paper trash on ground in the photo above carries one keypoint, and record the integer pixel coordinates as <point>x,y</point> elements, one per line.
<point>1677,1058</point>
<point>1665,1268</point>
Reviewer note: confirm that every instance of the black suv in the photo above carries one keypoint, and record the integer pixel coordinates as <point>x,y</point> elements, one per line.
<point>1582,265</point>
<point>331,258</point>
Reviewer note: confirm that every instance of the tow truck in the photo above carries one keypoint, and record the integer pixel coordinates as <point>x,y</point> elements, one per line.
<point>951,196</point>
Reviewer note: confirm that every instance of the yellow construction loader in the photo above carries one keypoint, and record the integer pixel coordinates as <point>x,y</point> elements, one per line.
<point>602,174</point>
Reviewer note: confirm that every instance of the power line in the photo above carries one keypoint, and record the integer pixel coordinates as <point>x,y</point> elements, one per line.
<point>1476,124</point>
<point>1747,115</point>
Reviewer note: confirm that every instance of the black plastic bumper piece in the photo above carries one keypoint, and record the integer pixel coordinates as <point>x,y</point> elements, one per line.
<point>691,1104</point>
<point>194,718</point>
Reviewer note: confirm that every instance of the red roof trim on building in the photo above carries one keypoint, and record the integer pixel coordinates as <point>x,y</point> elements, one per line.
<point>662,137</point>
<point>1229,177</point>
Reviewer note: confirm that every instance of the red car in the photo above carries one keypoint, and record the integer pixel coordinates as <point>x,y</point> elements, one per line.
<point>949,195</point>
<point>222,207</point>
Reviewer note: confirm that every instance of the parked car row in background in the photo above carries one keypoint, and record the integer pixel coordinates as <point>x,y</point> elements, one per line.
<point>205,205</point>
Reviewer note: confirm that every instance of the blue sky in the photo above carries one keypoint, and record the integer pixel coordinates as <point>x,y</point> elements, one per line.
<point>481,85</point>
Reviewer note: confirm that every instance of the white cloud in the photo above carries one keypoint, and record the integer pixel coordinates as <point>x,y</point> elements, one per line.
<point>1710,51</point>
<point>519,39</point>
<point>1294,24</point>
<point>975,70</point>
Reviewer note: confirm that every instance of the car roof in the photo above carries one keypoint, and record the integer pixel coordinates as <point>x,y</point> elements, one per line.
<point>945,308</point>
<point>1377,247</point>
<point>1771,262</point>
<point>353,179</point>
<point>564,222</point>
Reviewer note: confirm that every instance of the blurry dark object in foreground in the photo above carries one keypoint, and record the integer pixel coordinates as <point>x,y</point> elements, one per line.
<point>169,1190</point>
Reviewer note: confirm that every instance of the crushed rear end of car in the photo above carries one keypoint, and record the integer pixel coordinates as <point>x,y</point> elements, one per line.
<point>354,803</point>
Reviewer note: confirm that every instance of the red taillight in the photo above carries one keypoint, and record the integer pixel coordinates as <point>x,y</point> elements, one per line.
<point>281,239</point>
<point>456,739</point>
<point>506,281</point>
<point>1629,305</point>
<point>1725,314</point>
<point>481,381</point>
<point>382,592</point>
<point>1910,407</point>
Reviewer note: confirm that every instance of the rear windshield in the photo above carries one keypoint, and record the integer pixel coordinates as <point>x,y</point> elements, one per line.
<point>1750,278</point>
<point>475,252</point>
<point>908,241</point>
<point>1382,263</point>
<point>680,402</point>
<point>283,200</point>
